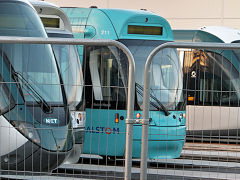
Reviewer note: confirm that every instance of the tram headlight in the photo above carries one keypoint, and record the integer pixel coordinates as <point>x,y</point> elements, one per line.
<point>182,115</point>
<point>27,130</point>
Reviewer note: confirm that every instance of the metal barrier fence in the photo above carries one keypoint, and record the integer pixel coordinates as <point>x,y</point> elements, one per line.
<point>34,141</point>
<point>215,84</point>
<point>205,81</point>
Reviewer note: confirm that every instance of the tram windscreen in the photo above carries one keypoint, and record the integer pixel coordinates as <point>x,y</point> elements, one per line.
<point>106,78</point>
<point>35,63</point>
<point>166,74</point>
<point>70,68</point>
<point>212,77</point>
<point>6,99</point>
<point>71,71</point>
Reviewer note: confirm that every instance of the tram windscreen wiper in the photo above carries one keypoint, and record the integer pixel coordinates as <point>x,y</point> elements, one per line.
<point>35,95</point>
<point>139,90</point>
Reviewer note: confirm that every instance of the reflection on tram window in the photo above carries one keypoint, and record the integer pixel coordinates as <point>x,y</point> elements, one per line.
<point>216,80</point>
<point>108,76</point>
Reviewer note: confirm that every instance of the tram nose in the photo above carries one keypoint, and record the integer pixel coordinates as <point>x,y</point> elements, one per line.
<point>63,138</point>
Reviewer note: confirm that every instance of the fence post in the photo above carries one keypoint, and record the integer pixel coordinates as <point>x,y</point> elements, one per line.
<point>145,126</point>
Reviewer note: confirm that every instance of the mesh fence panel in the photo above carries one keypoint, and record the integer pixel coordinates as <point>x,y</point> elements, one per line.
<point>210,94</point>
<point>63,116</point>
<point>37,131</point>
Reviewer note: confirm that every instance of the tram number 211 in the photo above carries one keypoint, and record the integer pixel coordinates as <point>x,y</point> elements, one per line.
<point>105,32</point>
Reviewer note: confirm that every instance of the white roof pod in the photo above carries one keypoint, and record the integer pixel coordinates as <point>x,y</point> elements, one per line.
<point>226,34</point>
<point>48,9</point>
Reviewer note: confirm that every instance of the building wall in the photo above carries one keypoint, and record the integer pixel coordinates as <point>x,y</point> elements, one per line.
<point>182,14</point>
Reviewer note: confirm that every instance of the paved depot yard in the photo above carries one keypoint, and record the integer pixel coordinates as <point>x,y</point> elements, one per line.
<point>198,160</point>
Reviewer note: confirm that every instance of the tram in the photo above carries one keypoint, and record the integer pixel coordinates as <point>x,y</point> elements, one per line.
<point>212,81</point>
<point>106,76</point>
<point>57,24</point>
<point>35,127</point>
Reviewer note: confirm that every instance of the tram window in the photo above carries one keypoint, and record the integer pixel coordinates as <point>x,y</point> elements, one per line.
<point>166,78</point>
<point>217,80</point>
<point>6,98</point>
<point>71,71</point>
<point>37,67</point>
<point>17,19</point>
<point>108,75</point>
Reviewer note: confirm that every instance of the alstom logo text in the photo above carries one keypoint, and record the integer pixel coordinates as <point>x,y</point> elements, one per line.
<point>106,130</point>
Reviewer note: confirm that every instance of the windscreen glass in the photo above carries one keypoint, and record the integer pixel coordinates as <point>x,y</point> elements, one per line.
<point>18,19</point>
<point>106,82</point>
<point>71,71</point>
<point>7,101</point>
<point>70,68</point>
<point>212,77</point>
<point>34,64</point>
<point>166,74</point>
